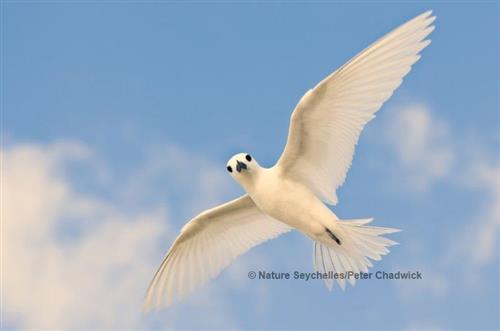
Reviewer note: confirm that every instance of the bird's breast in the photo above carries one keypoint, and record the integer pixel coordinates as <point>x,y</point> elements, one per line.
<point>289,202</point>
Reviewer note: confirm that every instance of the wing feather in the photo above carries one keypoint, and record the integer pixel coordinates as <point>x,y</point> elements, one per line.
<point>206,245</point>
<point>326,123</point>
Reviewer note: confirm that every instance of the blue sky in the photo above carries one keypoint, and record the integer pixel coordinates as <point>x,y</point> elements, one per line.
<point>118,120</point>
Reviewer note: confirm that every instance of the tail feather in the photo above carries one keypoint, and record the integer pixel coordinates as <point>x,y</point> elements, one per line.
<point>360,243</point>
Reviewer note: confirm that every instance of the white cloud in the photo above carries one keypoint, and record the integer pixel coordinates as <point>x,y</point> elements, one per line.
<point>483,175</point>
<point>428,151</point>
<point>73,260</point>
<point>93,279</point>
<point>168,168</point>
<point>433,284</point>
<point>422,144</point>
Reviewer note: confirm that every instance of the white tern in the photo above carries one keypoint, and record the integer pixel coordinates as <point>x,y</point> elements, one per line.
<point>324,130</point>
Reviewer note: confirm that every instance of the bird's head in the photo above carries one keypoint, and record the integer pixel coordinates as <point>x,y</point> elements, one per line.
<point>242,166</point>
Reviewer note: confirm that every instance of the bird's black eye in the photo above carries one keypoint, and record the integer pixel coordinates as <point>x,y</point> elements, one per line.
<point>229,169</point>
<point>248,157</point>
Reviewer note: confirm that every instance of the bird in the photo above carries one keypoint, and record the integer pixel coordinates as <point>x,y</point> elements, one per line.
<point>298,191</point>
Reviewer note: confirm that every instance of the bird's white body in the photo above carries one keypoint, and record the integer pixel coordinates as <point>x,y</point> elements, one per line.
<point>287,200</point>
<point>324,130</point>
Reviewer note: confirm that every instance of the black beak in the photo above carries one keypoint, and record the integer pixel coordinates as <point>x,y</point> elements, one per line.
<point>240,165</point>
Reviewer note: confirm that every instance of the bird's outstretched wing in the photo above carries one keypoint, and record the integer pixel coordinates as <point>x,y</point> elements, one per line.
<point>208,244</point>
<point>326,123</point>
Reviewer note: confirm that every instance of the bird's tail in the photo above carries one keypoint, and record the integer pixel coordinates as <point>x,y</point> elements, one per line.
<point>358,244</point>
